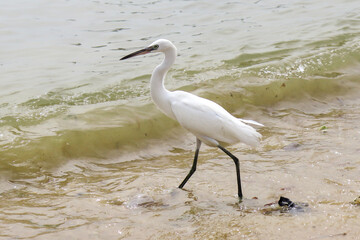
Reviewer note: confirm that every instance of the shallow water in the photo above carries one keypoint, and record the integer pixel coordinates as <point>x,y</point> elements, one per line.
<point>85,154</point>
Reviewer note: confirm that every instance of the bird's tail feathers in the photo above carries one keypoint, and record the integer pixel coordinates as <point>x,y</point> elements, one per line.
<point>252,122</point>
<point>248,134</point>
<point>252,137</point>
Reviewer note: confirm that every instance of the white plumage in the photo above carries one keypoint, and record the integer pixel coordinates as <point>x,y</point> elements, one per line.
<point>207,120</point>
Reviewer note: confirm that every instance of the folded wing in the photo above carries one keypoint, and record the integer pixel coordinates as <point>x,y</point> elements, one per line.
<point>209,121</point>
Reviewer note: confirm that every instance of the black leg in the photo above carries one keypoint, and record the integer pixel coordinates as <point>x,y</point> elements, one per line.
<point>193,168</point>
<point>237,165</point>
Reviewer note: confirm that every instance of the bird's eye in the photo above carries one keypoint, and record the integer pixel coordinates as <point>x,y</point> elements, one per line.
<point>155,47</point>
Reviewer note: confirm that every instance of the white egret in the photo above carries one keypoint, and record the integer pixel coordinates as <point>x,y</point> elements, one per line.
<point>208,121</point>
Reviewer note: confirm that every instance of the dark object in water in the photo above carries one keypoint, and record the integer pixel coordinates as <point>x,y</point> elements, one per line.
<point>283,201</point>
<point>356,201</point>
<point>285,205</point>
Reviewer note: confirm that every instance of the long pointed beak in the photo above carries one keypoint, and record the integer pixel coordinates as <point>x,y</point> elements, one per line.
<point>140,52</point>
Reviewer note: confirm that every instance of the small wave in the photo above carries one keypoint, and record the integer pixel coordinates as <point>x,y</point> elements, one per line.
<point>62,125</point>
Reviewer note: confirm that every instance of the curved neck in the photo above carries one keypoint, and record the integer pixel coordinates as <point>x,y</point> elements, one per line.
<point>159,94</point>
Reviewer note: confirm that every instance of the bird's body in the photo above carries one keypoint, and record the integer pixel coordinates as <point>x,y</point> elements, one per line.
<point>210,122</point>
<point>207,120</point>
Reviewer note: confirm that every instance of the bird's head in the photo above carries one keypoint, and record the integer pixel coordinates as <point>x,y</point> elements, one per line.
<point>161,45</point>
